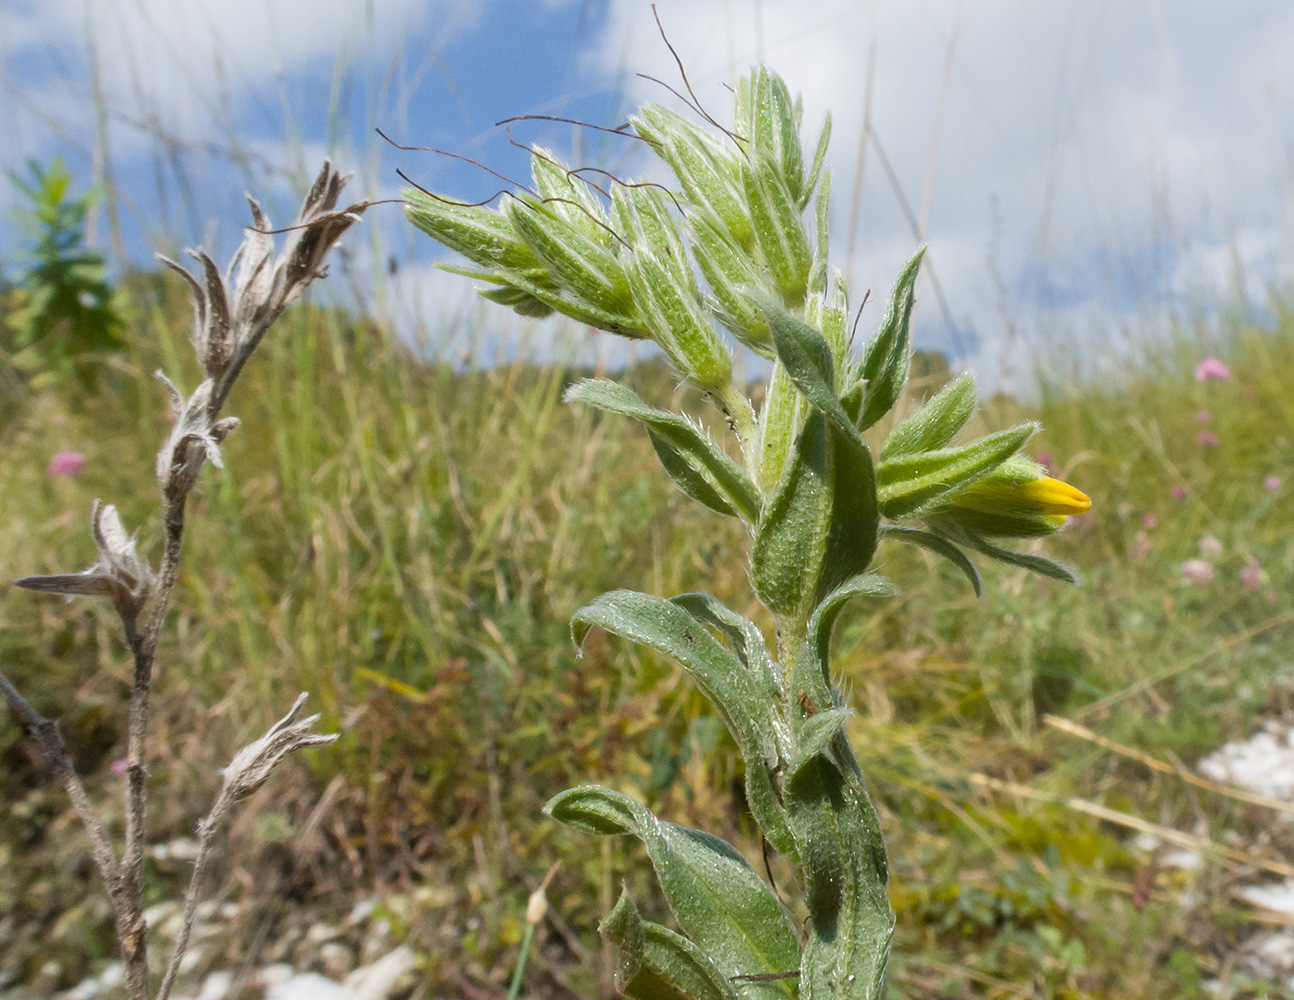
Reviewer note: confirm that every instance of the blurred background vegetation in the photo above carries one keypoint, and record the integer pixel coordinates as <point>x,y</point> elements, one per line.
<point>405,537</point>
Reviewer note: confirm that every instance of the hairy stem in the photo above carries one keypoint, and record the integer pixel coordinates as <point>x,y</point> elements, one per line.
<point>49,741</point>
<point>207,831</point>
<point>144,647</point>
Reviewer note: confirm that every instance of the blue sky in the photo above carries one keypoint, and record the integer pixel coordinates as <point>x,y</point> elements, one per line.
<point>1078,167</point>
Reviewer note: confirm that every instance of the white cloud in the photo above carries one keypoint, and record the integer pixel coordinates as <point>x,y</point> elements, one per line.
<point>1088,149</point>
<point>188,68</point>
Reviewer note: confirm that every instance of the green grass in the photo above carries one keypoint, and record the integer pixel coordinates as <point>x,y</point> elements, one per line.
<point>407,542</point>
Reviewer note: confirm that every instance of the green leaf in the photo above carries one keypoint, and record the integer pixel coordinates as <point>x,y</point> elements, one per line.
<point>911,483</point>
<point>729,272</point>
<point>568,198</point>
<point>778,230</point>
<point>776,132</point>
<point>718,899</point>
<point>657,964</point>
<point>823,212</point>
<point>667,628</point>
<point>642,213</point>
<point>480,234</point>
<point>778,422</point>
<point>885,362</point>
<point>809,676</point>
<point>814,735</point>
<point>624,928</point>
<point>765,801</point>
<point>702,469</point>
<point>806,356</point>
<point>678,321</point>
<point>820,526</point>
<point>707,171</point>
<point>936,423</point>
<point>581,264</point>
<point>939,545</point>
<point>792,533</point>
<point>1034,563</point>
<point>746,638</point>
<point>520,302</point>
<point>623,324</point>
<point>819,157</point>
<point>855,515</point>
<point>672,961</point>
<point>842,857</point>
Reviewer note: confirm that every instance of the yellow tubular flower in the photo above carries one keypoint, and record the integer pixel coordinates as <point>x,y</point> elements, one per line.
<point>1017,500</point>
<point>1043,496</point>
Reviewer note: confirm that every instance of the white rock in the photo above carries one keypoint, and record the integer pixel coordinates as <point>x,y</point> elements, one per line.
<point>336,959</point>
<point>191,959</point>
<point>1278,896</point>
<point>217,986</point>
<point>377,981</point>
<point>1186,861</point>
<point>113,975</point>
<point>273,975</point>
<point>361,911</point>
<point>1272,955</point>
<point>309,986</point>
<point>1263,764</point>
<point>319,933</point>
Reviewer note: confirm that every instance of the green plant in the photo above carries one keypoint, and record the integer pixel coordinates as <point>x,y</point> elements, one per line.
<point>64,311</point>
<point>817,503</point>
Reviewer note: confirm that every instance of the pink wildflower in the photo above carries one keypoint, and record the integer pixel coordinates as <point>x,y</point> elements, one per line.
<point>1211,368</point>
<point>66,463</point>
<point>1179,491</point>
<point>1203,417</point>
<point>1149,521</point>
<point>1207,439</point>
<point>1210,547</point>
<point>1252,575</point>
<point>119,766</point>
<point>1196,572</point>
<point>1272,483</point>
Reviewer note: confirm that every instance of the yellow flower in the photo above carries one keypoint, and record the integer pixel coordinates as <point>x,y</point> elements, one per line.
<point>1017,500</point>
<point>1044,495</point>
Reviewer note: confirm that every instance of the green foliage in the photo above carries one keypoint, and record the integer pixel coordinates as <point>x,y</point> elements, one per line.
<point>64,316</point>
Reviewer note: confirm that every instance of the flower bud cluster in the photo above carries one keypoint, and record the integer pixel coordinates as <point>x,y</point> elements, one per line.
<point>627,263</point>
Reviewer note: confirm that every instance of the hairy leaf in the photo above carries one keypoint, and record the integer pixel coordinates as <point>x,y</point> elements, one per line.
<point>885,362</point>
<point>939,545</point>
<point>702,469</point>
<point>667,628</point>
<point>936,423</point>
<point>718,899</point>
<point>778,229</point>
<point>806,356</point>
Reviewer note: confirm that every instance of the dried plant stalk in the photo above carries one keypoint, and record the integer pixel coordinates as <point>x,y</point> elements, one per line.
<point>232,313</point>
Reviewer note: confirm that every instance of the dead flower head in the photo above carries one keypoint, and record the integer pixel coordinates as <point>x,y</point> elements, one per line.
<point>232,312</point>
<point>254,763</point>
<point>119,574</point>
<point>195,438</point>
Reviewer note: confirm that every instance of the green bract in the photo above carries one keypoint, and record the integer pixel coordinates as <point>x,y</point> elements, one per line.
<point>727,248</point>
